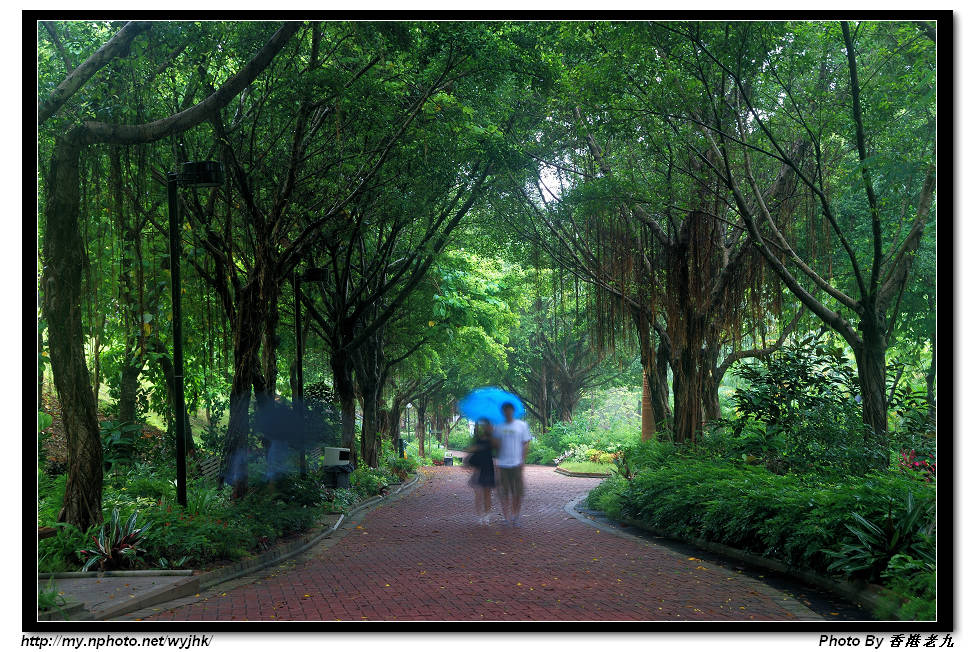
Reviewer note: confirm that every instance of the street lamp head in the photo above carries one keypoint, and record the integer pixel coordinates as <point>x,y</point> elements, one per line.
<point>201,174</point>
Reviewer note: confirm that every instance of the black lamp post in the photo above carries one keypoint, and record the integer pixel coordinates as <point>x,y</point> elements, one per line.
<point>312,274</point>
<point>197,174</point>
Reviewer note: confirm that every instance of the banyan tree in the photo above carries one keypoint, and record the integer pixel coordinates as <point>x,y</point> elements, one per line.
<point>672,267</point>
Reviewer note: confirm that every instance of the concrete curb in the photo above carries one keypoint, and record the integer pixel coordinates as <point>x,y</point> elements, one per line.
<point>203,581</point>
<point>860,595</point>
<point>575,474</point>
<point>135,573</point>
<point>178,590</point>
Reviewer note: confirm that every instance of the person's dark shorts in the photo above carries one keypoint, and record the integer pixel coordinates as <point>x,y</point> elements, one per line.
<point>512,482</point>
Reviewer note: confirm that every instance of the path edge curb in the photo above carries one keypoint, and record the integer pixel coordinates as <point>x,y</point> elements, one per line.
<point>576,474</point>
<point>859,595</point>
<point>197,583</point>
<point>135,573</point>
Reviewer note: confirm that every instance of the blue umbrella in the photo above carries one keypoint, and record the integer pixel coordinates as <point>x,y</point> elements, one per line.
<point>486,402</point>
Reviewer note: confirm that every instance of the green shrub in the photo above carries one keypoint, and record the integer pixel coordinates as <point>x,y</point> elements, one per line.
<point>50,494</point>
<point>786,517</point>
<point>437,455</point>
<point>605,496</point>
<point>460,435</point>
<point>60,553</point>
<point>401,467</point>
<point>906,529</point>
<point>540,454</point>
<point>796,410</point>
<point>368,481</point>
<point>210,528</point>
<point>342,500</point>
<point>294,489</point>
<point>913,583</point>
<point>587,433</point>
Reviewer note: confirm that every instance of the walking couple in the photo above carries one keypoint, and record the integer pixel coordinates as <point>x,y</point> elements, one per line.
<point>510,439</point>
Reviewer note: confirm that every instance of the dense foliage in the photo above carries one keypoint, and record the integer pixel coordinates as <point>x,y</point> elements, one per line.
<point>703,253</point>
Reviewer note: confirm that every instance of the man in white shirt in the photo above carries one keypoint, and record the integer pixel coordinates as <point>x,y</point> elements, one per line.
<point>511,439</point>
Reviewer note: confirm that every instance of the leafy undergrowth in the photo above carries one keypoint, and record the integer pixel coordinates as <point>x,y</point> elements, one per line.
<point>212,529</point>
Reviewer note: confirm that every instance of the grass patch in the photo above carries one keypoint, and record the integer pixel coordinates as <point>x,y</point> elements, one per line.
<point>587,467</point>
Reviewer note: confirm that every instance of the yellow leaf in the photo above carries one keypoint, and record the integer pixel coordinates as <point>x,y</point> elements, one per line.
<point>431,323</point>
<point>147,328</point>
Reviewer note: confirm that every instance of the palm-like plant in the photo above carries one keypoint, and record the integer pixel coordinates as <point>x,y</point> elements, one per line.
<point>115,546</point>
<point>909,533</point>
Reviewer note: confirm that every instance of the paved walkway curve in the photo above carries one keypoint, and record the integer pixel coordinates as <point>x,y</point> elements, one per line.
<point>422,557</point>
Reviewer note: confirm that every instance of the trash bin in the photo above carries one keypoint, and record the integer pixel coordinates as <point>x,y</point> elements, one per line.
<point>337,477</point>
<point>448,460</point>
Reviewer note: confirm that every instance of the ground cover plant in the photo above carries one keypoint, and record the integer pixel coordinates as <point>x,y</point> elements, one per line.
<point>146,528</point>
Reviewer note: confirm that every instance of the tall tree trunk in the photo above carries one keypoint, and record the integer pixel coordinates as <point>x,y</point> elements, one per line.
<point>871,358</point>
<point>569,396</point>
<point>63,260</point>
<point>128,391</point>
<point>648,426</point>
<point>345,391</point>
<point>130,294</point>
<point>687,394</point>
<point>421,431</point>
<point>543,395</point>
<point>660,387</point>
<point>393,419</point>
<point>269,353</point>
<point>648,412</point>
<point>248,330</point>
<point>709,387</point>
<point>369,361</point>
<point>368,443</point>
<point>265,380</point>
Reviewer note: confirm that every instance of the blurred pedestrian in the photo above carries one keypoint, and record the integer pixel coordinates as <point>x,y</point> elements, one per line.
<point>511,438</point>
<point>481,460</point>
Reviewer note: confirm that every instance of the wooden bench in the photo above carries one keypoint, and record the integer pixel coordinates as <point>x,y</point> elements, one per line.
<point>210,468</point>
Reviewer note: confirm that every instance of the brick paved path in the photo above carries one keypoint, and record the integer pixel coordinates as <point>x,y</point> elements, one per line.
<point>422,557</point>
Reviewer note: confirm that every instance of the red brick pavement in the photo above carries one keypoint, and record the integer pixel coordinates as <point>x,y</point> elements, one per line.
<point>423,557</point>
